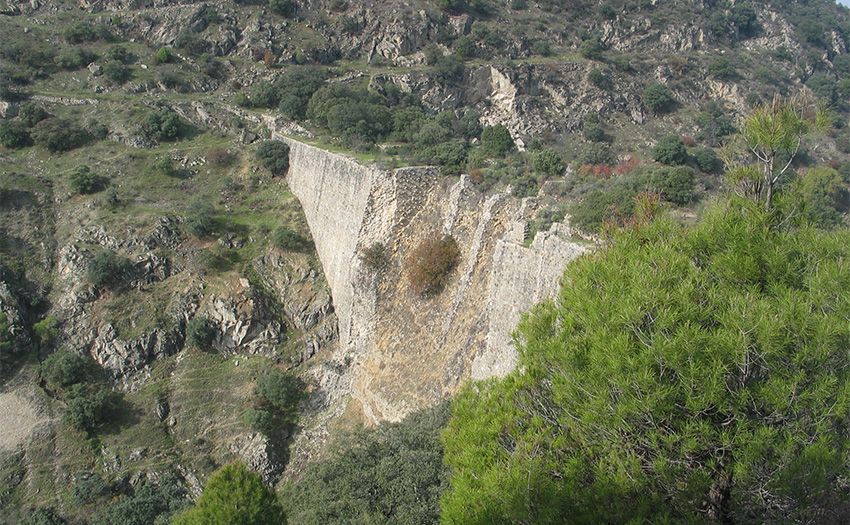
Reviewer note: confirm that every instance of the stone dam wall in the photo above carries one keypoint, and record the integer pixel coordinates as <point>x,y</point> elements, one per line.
<point>403,352</point>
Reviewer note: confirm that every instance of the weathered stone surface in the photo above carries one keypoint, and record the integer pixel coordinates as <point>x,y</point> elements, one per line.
<point>15,319</point>
<point>399,352</point>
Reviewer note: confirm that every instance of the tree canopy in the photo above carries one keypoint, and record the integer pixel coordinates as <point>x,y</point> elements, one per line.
<point>684,374</point>
<point>234,496</point>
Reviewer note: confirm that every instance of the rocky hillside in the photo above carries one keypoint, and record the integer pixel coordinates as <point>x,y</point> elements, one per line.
<point>215,223</point>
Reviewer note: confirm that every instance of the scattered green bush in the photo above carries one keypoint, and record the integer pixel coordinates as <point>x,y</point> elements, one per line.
<point>42,516</point>
<point>496,141</point>
<point>285,8</point>
<point>707,160</point>
<point>714,124</point>
<point>274,156</point>
<point>58,135</point>
<point>591,49</point>
<point>65,368</point>
<point>200,332</point>
<point>85,182</point>
<point>86,406</point>
<point>163,55</point>
<point>596,153</point>
<point>235,496</point>
<point>658,98</point>
<point>294,88</point>
<point>817,197</point>
<point>162,124</point>
<point>721,67</point>
<point>74,58</point>
<point>431,263</point>
<point>109,270</point>
<point>31,114</point>
<point>151,503</point>
<point>14,134</point>
<point>200,218</point>
<point>391,473</point>
<point>89,488</point>
<point>46,331</point>
<point>82,32</point>
<point>290,240</point>
<point>675,185</point>
<point>599,78</point>
<point>547,163</point>
<point>671,151</point>
<point>116,72</point>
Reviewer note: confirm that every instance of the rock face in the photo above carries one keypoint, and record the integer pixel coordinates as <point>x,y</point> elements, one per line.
<point>400,352</point>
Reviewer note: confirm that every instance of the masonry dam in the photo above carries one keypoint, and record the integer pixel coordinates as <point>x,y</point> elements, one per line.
<point>408,352</point>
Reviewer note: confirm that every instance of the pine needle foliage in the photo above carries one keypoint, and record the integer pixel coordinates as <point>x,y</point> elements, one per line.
<point>684,375</point>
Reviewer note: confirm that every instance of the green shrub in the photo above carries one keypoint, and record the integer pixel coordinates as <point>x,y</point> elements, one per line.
<point>714,124</point>
<point>260,420</point>
<point>817,197</point>
<point>596,153</point>
<point>722,67</point>
<point>117,72</point>
<point>431,263</point>
<point>591,49</point>
<point>162,124</point>
<point>294,88</point>
<point>7,340</point>
<point>390,473</point>
<point>14,134</point>
<point>42,516</point>
<point>496,141</point>
<point>234,495</point>
<point>120,53</point>
<point>58,135</point>
<point>151,503</point>
<point>74,58</point>
<point>743,17</point>
<point>82,32</point>
<point>599,78</point>
<point>31,114</point>
<point>658,98</point>
<point>163,55</point>
<point>449,70</point>
<point>547,163</point>
<point>285,8</point>
<point>594,133</point>
<point>671,151</point>
<point>615,203</point>
<point>675,185</point>
<point>109,270</point>
<point>89,488</point>
<point>200,218</point>
<point>86,406</point>
<point>165,166</point>
<point>46,331</point>
<point>65,368</point>
<point>274,156</point>
<point>707,160</point>
<point>85,182</point>
<point>290,240</point>
<point>279,390</point>
<point>200,333</point>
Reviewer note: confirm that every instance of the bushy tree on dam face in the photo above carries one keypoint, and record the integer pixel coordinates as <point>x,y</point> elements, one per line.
<point>684,374</point>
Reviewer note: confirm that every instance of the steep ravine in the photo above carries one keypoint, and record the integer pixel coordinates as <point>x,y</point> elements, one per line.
<point>403,352</point>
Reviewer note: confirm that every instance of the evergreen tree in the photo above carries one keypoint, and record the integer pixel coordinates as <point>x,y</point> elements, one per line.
<point>234,496</point>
